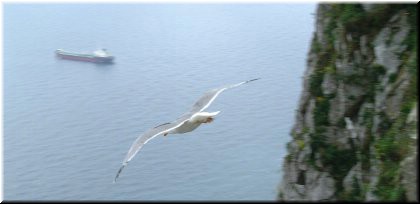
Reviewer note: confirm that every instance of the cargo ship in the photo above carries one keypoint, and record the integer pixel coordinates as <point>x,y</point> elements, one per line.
<point>98,56</point>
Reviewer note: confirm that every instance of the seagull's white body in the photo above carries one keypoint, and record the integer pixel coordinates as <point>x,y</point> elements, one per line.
<point>186,123</point>
<point>194,122</point>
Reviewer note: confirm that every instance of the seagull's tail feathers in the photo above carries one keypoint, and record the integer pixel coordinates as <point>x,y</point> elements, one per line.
<point>119,171</point>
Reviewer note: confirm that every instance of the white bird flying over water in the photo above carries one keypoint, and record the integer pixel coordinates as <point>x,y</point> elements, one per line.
<point>186,123</point>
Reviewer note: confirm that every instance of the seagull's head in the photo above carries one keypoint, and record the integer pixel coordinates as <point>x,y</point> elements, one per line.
<point>204,117</point>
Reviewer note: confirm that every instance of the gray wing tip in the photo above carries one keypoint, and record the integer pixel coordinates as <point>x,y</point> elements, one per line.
<point>252,80</point>
<point>119,171</point>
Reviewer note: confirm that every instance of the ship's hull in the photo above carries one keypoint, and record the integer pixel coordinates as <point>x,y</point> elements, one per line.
<point>84,57</point>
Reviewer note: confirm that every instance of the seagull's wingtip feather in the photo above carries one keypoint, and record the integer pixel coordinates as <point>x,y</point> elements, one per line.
<point>119,171</point>
<point>252,80</point>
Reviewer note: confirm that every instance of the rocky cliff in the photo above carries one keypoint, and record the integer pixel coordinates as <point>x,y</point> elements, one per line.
<point>355,132</point>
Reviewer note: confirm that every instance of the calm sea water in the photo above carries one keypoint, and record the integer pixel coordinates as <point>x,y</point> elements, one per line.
<point>69,124</point>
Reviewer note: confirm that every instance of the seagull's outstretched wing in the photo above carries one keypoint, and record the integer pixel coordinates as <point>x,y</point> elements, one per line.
<point>208,97</point>
<point>148,135</point>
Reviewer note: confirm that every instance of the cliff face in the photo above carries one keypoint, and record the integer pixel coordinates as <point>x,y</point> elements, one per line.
<point>355,131</point>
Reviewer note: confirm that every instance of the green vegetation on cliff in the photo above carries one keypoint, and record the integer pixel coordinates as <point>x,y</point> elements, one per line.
<point>363,84</point>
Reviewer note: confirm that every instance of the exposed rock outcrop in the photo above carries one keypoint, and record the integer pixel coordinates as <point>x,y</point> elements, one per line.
<point>355,130</point>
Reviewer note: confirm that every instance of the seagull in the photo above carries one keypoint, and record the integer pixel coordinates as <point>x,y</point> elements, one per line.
<point>188,122</point>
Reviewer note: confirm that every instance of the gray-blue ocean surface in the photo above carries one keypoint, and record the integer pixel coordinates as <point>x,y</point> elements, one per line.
<point>68,125</point>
